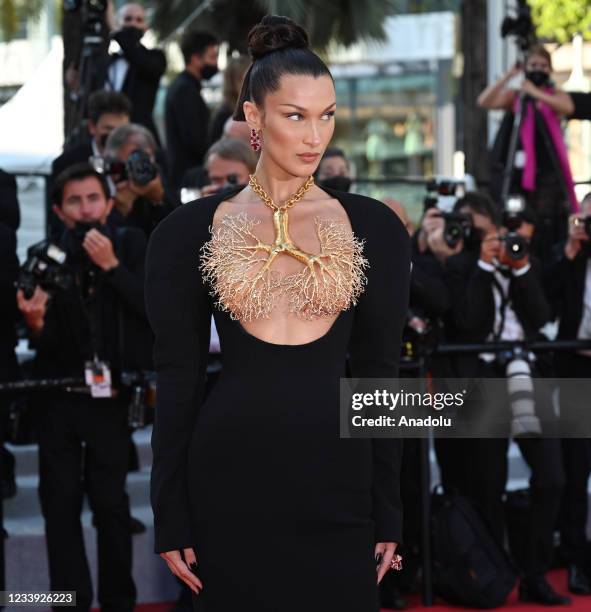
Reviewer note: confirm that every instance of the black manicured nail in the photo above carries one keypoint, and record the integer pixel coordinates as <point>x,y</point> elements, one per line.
<point>378,558</point>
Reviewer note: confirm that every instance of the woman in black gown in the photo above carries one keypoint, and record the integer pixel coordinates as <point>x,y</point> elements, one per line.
<point>259,504</point>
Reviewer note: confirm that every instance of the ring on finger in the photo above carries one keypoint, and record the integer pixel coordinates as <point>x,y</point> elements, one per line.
<point>396,562</point>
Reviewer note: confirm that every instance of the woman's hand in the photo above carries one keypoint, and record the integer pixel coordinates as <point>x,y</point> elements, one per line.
<point>513,71</point>
<point>181,568</point>
<point>384,553</point>
<point>559,101</point>
<point>529,89</point>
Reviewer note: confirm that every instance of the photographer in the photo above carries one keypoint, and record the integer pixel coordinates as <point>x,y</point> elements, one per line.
<point>543,173</point>
<point>107,110</point>
<point>228,162</point>
<point>497,295</point>
<point>186,113</point>
<point>569,289</point>
<point>94,329</point>
<point>141,200</point>
<point>334,171</point>
<point>136,70</point>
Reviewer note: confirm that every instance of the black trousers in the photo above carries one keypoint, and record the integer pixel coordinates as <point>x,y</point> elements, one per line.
<point>84,446</point>
<point>478,469</point>
<point>576,453</point>
<point>548,202</point>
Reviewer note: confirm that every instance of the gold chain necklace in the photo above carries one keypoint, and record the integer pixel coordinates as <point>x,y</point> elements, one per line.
<point>295,198</point>
<point>239,264</point>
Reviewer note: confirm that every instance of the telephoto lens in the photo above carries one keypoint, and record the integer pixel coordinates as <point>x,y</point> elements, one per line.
<point>515,245</point>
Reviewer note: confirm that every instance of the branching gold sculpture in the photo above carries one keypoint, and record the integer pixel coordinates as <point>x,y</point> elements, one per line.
<point>238,266</point>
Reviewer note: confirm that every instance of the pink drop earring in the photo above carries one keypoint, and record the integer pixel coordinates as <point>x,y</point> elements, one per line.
<point>255,140</point>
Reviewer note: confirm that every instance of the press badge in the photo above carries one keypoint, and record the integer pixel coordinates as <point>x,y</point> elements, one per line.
<point>98,377</point>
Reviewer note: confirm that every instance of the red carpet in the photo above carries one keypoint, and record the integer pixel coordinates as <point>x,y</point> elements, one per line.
<point>557,578</point>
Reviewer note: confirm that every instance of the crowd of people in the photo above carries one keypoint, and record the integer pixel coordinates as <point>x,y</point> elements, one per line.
<point>111,189</point>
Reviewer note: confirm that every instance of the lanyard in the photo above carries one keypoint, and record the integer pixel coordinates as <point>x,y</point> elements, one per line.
<point>90,307</point>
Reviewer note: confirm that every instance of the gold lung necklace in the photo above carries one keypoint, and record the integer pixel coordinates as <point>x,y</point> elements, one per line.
<point>238,264</point>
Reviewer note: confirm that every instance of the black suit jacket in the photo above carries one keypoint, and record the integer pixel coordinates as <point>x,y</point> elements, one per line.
<point>124,337</point>
<point>74,155</point>
<point>429,294</point>
<point>187,126</point>
<point>9,223</point>
<point>146,67</point>
<point>472,315</point>
<point>565,285</point>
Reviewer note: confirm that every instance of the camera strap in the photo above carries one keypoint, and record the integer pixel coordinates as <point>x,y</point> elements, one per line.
<point>97,373</point>
<point>505,301</point>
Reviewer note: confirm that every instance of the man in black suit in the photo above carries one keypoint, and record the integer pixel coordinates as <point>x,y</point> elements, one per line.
<point>135,70</point>
<point>186,114</point>
<point>496,297</point>
<point>137,205</point>
<point>569,289</point>
<point>97,326</point>
<point>107,110</point>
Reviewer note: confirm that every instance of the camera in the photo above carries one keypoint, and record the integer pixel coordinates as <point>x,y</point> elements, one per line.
<point>139,167</point>
<point>419,336</point>
<point>516,246</point>
<point>45,267</point>
<point>141,388</point>
<point>93,18</point>
<point>443,194</point>
<point>516,365</point>
<point>188,194</point>
<point>520,26</point>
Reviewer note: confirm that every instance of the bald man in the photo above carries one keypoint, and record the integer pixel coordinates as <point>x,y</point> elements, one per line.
<point>135,70</point>
<point>237,129</point>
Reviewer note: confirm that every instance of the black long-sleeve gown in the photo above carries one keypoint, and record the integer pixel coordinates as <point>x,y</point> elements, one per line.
<point>282,513</point>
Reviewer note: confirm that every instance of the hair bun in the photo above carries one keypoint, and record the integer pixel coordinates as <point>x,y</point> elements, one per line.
<point>274,33</point>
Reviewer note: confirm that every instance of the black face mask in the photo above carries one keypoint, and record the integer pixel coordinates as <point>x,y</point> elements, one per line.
<point>338,183</point>
<point>76,237</point>
<point>208,71</point>
<point>538,77</point>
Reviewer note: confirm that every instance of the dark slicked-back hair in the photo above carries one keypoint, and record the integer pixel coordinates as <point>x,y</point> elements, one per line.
<point>77,172</point>
<point>277,46</point>
<point>104,101</point>
<point>196,41</point>
<point>479,203</point>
